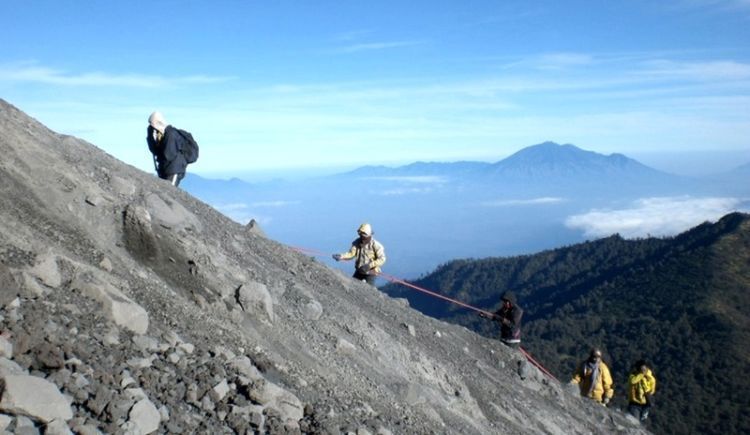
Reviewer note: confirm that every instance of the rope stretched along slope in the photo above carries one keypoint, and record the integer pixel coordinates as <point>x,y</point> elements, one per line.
<point>396,280</point>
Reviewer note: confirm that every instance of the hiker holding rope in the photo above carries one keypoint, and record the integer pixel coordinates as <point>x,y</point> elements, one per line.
<point>368,253</point>
<point>593,378</point>
<point>509,317</point>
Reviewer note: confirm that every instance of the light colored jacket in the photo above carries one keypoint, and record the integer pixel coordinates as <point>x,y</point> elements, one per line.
<point>640,385</point>
<point>369,256</point>
<point>602,385</point>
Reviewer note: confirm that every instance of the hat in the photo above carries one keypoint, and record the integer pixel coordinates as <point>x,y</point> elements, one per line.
<point>509,296</point>
<point>365,229</point>
<point>157,121</point>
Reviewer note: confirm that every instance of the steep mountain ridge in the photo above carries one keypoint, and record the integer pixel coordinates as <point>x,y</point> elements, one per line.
<point>679,302</point>
<point>128,306</point>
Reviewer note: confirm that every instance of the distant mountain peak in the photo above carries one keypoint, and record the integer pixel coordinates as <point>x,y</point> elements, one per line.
<point>550,160</point>
<point>545,165</point>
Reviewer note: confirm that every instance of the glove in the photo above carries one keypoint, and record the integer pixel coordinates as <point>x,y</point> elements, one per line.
<point>364,270</point>
<point>336,257</point>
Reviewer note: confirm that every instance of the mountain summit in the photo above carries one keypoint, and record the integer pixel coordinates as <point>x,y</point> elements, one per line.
<point>539,165</point>
<point>552,159</point>
<point>128,306</point>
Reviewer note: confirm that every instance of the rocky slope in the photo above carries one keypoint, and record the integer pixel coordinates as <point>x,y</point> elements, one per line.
<point>130,307</point>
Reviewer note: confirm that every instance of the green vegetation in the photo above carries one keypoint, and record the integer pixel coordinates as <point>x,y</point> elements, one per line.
<point>681,303</point>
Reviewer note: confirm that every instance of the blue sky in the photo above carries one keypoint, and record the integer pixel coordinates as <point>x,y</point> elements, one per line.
<point>269,86</point>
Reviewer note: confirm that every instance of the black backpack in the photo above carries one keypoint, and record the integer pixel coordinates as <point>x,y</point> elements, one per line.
<point>189,147</point>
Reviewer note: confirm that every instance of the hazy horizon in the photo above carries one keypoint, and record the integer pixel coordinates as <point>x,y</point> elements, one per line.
<point>345,84</point>
<point>475,211</point>
<point>692,163</point>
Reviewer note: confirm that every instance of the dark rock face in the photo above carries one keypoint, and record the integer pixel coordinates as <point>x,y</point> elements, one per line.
<point>127,306</point>
<point>139,237</point>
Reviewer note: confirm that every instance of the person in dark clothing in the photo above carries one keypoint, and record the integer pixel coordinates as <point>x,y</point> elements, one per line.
<point>164,142</point>
<point>509,316</point>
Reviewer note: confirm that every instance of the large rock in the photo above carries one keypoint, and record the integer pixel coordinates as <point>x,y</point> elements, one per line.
<point>254,227</point>
<point>145,415</point>
<point>33,397</point>
<point>170,213</point>
<point>117,307</point>
<point>57,427</point>
<point>245,367</point>
<point>312,310</point>
<point>273,396</point>
<point>254,297</point>
<point>30,287</point>
<point>9,367</point>
<point>48,271</point>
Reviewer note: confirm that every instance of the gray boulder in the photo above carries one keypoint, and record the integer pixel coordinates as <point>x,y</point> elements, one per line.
<point>33,397</point>
<point>279,399</point>
<point>146,416</point>
<point>119,308</point>
<point>48,271</point>
<point>254,297</point>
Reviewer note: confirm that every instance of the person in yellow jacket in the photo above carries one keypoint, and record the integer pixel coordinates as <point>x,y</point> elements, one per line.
<point>368,253</point>
<point>641,388</point>
<point>593,378</point>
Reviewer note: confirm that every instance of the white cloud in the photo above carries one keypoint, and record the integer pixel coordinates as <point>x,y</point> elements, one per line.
<point>355,48</point>
<point>558,61</point>
<point>702,71</point>
<point>30,72</point>
<point>426,184</point>
<point>242,213</point>
<point>664,216</point>
<point>404,191</point>
<point>231,207</point>
<point>514,202</point>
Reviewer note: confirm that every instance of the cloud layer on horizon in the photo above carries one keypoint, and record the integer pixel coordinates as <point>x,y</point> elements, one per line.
<point>658,216</point>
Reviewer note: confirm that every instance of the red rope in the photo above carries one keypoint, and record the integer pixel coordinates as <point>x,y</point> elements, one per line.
<point>423,290</point>
<point>437,295</point>
<point>536,364</point>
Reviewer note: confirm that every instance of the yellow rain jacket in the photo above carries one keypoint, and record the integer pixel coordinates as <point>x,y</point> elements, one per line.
<point>640,385</point>
<point>602,385</point>
<point>369,256</point>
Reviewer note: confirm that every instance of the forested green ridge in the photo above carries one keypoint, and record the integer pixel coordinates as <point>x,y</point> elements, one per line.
<point>681,303</point>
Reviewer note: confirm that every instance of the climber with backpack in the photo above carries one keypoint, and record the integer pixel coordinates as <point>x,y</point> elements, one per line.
<point>173,149</point>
